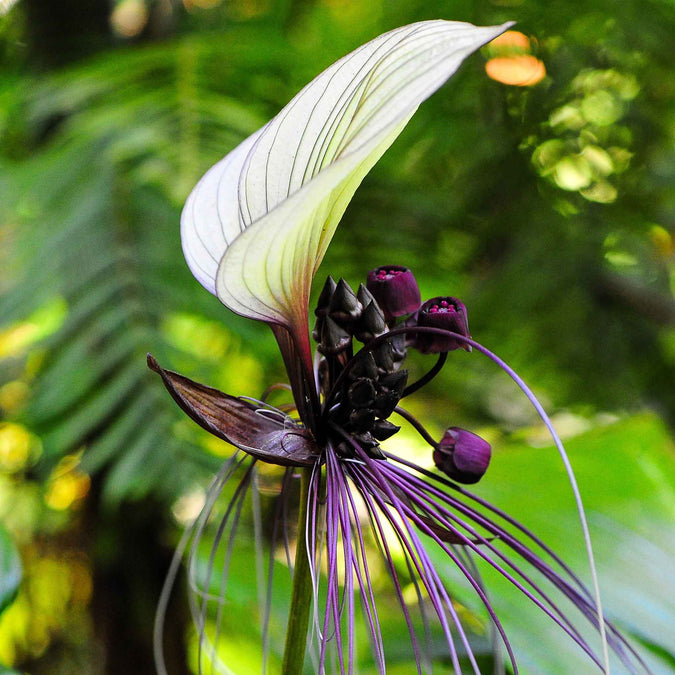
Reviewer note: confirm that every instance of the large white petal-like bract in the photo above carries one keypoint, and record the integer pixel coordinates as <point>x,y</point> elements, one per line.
<point>257,225</point>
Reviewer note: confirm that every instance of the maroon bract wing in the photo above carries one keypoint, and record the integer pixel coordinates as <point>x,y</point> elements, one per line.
<point>239,422</point>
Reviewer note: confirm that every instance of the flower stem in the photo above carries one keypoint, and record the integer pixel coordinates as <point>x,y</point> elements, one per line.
<point>301,599</point>
<point>411,389</point>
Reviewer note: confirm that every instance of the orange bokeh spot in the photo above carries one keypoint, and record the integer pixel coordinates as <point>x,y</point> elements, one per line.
<point>520,71</point>
<point>512,40</point>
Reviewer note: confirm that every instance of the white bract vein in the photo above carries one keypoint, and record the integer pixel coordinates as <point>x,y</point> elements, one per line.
<point>257,225</point>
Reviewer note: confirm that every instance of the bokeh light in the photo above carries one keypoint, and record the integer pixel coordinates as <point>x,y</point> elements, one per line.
<point>129,18</point>
<point>512,62</point>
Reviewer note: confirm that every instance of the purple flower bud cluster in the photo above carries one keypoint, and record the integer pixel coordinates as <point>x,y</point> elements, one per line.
<point>342,314</point>
<point>397,293</point>
<point>360,392</point>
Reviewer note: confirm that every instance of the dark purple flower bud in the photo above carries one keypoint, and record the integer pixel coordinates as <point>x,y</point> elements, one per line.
<point>383,429</point>
<point>325,296</point>
<point>334,339</point>
<point>395,290</point>
<point>364,366</point>
<point>442,312</point>
<point>462,455</point>
<point>361,393</point>
<point>344,306</point>
<point>371,323</point>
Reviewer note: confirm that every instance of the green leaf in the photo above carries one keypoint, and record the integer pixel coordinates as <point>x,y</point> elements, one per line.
<point>10,570</point>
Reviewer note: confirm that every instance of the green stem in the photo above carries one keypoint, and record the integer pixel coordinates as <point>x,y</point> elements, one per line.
<point>301,599</point>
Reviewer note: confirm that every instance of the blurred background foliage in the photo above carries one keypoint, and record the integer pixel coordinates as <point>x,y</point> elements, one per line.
<point>538,186</point>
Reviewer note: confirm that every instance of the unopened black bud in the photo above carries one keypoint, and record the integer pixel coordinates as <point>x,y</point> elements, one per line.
<point>364,295</point>
<point>318,327</point>
<point>394,382</point>
<point>361,420</point>
<point>370,445</point>
<point>384,357</point>
<point>371,324</point>
<point>325,296</point>
<point>383,429</point>
<point>361,393</point>
<point>344,307</point>
<point>364,366</point>
<point>389,392</point>
<point>398,347</point>
<point>334,339</point>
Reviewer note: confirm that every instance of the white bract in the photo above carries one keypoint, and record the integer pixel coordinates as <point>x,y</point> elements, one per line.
<point>257,225</point>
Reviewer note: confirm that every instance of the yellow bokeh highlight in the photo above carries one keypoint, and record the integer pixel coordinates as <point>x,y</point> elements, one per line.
<point>196,335</point>
<point>662,241</point>
<point>67,484</point>
<point>18,447</point>
<point>56,587</point>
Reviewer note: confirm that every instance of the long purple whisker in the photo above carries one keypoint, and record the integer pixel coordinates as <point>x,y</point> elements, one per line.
<point>383,546</point>
<point>413,517</point>
<point>584,601</point>
<point>195,529</point>
<point>547,422</point>
<point>430,578</point>
<point>366,589</point>
<point>437,512</point>
<point>420,489</point>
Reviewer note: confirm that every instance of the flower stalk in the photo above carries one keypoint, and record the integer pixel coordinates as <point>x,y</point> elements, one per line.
<point>301,598</point>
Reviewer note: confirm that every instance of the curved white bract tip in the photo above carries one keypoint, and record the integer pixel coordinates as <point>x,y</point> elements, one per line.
<point>257,225</point>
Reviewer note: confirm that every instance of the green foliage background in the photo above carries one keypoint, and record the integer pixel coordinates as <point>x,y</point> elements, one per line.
<point>548,209</point>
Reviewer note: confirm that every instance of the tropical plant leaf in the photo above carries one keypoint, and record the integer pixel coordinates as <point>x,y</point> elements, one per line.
<point>94,212</point>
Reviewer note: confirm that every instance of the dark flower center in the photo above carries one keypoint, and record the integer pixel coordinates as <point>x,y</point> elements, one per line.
<point>359,392</point>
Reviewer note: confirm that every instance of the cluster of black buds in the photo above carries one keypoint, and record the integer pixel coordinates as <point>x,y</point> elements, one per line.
<point>361,392</point>
<point>342,315</point>
<point>374,382</point>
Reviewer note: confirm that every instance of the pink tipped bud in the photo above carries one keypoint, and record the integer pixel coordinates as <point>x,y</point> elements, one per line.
<point>395,290</point>
<point>462,455</point>
<point>442,312</point>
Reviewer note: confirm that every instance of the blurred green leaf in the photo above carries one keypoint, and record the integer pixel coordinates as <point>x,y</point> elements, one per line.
<point>10,569</point>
